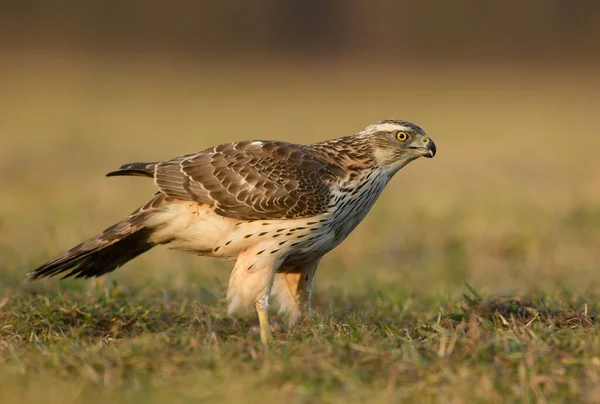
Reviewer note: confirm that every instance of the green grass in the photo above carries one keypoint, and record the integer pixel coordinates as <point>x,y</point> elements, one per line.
<point>474,278</point>
<point>153,345</point>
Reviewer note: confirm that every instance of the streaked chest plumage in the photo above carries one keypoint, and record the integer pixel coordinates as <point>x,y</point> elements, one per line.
<point>350,203</point>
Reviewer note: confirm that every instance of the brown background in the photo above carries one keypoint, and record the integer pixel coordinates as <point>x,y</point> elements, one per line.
<point>429,30</point>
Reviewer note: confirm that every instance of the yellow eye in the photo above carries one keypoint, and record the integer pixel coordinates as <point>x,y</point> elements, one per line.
<point>401,136</point>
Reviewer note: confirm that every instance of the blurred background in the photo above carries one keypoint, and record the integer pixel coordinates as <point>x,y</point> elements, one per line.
<point>419,31</point>
<point>509,90</point>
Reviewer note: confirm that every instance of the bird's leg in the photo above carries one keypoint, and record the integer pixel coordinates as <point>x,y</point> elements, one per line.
<point>293,290</point>
<point>250,283</point>
<point>300,285</point>
<point>262,309</point>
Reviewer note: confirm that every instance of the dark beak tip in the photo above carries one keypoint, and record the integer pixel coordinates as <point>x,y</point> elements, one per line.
<point>432,149</point>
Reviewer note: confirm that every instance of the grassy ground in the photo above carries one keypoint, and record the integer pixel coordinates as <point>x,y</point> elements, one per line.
<point>510,205</point>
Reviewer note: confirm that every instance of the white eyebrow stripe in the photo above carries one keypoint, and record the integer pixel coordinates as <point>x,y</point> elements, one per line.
<point>387,127</point>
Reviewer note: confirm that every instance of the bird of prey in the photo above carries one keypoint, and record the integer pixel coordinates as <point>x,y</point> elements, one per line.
<point>274,207</point>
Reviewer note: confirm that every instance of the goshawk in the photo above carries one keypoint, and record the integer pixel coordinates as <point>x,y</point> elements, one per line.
<point>274,207</point>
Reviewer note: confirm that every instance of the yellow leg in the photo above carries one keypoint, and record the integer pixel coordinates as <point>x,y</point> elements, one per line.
<point>262,307</point>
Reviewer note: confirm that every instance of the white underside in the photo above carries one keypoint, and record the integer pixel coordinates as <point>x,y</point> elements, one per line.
<point>198,229</point>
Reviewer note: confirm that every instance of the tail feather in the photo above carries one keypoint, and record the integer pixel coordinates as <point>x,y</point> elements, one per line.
<point>136,169</point>
<point>105,252</point>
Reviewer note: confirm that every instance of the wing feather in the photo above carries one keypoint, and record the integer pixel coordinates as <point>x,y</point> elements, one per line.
<point>251,180</point>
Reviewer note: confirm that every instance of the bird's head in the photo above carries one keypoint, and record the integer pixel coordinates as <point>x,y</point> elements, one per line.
<point>396,143</point>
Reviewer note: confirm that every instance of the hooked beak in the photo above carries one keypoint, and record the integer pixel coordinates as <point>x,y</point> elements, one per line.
<point>425,147</point>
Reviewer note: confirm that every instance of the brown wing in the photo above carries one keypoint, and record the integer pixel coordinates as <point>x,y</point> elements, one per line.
<point>250,180</point>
